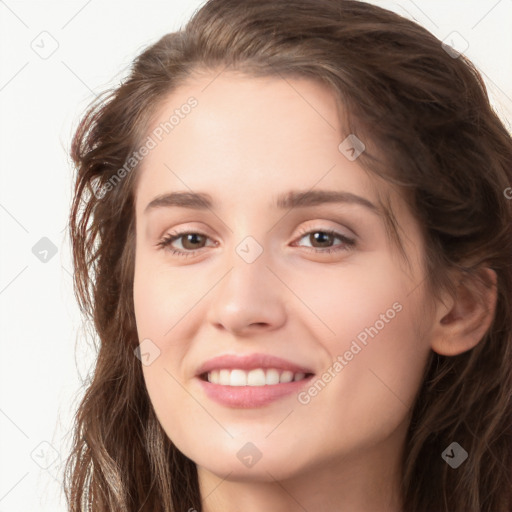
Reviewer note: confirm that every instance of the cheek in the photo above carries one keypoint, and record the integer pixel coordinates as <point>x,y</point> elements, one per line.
<point>164,301</point>
<point>370,328</point>
<point>163,296</point>
<point>342,303</point>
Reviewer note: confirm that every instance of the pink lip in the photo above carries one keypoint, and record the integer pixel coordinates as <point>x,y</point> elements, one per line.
<point>250,362</point>
<point>250,396</point>
<point>246,397</point>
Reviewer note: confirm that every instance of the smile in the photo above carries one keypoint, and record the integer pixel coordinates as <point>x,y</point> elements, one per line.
<point>251,380</point>
<point>255,377</point>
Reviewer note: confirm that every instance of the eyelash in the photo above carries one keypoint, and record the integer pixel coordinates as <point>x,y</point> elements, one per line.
<point>167,240</point>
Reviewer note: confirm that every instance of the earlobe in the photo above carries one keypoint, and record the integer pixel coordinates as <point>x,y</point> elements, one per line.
<point>462,325</point>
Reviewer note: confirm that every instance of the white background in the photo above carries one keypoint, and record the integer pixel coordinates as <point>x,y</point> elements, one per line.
<point>44,358</point>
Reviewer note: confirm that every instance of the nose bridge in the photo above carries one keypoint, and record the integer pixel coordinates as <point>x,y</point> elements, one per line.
<point>247,281</point>
<point>248,256</point>
<point>249,293</point>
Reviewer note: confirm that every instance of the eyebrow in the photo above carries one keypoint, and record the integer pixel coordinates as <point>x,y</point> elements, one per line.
<point>288,200</point>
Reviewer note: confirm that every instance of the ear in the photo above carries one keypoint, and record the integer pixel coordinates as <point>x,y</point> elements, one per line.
<point>462,321</point>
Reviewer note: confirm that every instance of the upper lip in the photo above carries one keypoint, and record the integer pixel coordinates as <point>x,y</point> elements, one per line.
<point>250,362</point>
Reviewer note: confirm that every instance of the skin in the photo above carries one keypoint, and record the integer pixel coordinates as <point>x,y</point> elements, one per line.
<point>248,140</point>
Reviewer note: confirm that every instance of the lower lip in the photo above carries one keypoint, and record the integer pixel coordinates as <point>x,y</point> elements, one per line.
<point>251,396</point>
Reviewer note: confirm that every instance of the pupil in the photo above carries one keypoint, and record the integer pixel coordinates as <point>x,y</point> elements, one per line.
<point>319,235</point>
<point>192,238</point>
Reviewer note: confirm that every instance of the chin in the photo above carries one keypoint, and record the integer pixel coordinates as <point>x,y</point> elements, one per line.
<point>259,460</point>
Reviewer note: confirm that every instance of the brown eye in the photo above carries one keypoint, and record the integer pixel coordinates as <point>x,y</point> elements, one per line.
<point>322,240</point>
<point>191,241</point>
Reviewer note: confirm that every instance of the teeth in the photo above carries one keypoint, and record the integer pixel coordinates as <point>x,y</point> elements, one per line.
<point>224,377</point>
<point>256,377</point>
<point>286,376</point>
<point>272,376</point>
<point>213,376</point>
<point>238,378</point>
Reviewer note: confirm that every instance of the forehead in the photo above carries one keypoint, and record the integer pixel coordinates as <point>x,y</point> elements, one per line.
<point>257,133</point>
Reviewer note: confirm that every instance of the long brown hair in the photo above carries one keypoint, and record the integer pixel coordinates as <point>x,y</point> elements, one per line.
<point>433,133</point>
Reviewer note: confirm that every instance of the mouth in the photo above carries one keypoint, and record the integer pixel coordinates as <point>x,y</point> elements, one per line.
<point>251,381</point>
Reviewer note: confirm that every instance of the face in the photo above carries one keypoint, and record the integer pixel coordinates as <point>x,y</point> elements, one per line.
<point>319,325</point>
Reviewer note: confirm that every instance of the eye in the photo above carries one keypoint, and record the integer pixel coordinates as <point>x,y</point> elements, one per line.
<point>325,237</point>
<point>192,242</point>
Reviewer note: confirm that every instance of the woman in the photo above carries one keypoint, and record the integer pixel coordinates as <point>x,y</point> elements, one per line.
<point>292,229</point>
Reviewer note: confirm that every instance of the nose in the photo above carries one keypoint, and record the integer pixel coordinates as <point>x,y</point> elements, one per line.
<point>248,299</point>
